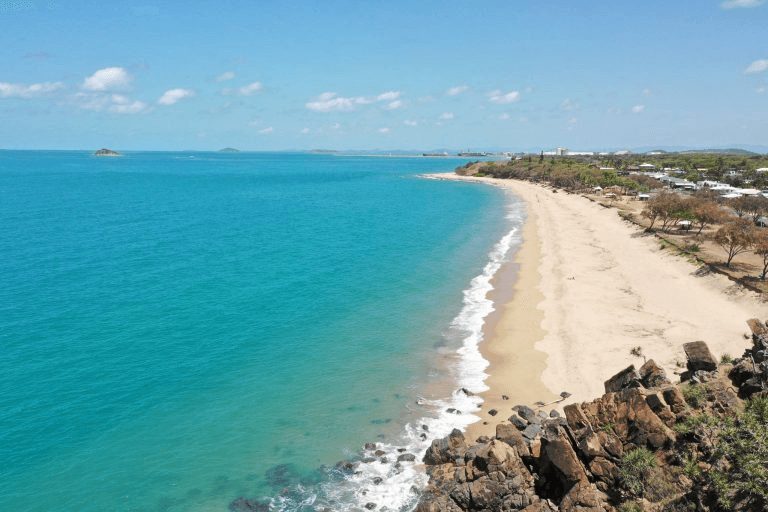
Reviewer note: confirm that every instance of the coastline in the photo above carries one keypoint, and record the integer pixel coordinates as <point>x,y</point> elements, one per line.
<point>587,288</point>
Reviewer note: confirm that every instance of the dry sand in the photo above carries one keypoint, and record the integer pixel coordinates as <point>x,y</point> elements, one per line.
<point>590,286</point>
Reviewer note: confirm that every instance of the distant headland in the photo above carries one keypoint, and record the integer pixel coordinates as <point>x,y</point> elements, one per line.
<point>106,152</point>
<point>229,150</point>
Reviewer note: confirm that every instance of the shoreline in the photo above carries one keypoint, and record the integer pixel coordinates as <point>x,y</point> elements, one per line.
<point>583,288</point>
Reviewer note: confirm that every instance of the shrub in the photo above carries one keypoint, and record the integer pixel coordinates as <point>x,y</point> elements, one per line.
<point>630,506</point>
<point>726,359</point>
<point>695,395</point>
<point>634,470</point>
<point>743,453</point>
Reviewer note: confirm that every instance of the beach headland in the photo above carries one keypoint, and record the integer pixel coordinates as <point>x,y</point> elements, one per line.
<point>586,288</point>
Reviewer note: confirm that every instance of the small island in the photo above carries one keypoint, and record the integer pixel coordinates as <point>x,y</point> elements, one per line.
<point>106,152</point>
<point>229,150</point>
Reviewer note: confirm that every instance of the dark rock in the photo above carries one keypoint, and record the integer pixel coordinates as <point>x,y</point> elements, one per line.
<point>742,371</point>
<point>401,450</point>
<point>493,412</point>
<point>425,428</point>
<point>248,505</point>
<point>377,480</point>
<point>368,460</point>
<point>370,446</point>
<point>384,460</point>
<point>379,453</point>
<point>554,414</point>
<point>652,375</point>
<point>525,412</point>
<point>406,457</point>
<point>370,505</point>
<point>699,357</point>
<point>532,430</point>
<point>483,439</point>
<point>626,378</point>
<point>675,399</point>
<point>504,397</point>
<point>467,392</point>
<point>518,422</point>
<point>346,466</point>
<point>423,436</point>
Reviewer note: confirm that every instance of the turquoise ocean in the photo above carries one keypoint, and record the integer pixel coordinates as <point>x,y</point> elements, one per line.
<point>213,332</point>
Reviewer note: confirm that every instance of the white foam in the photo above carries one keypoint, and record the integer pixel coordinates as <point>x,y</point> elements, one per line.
<point>400,483</point>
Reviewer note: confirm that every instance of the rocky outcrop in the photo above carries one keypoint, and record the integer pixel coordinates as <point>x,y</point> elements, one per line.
<point>106,152</point>
<point>539,462</point>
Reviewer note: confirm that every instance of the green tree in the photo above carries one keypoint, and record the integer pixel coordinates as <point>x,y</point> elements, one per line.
<point>735,237</point>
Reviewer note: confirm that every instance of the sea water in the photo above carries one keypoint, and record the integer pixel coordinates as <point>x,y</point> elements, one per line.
<point>180,330</point>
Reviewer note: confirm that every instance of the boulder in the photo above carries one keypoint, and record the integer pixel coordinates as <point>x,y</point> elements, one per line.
<point>626,378</point>
<point>406,457</point>
<point>518,422</point>
<point>699,357</point>
<point>652,375</point>
<point>532,430</point>
<point>525,412</point>
<point>509,434</point>
<point>757,327</point>
<point>447,449</point>
<point>582,497</point>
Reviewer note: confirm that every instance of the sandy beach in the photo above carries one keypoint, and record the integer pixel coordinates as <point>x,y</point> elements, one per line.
<point>587,287</point>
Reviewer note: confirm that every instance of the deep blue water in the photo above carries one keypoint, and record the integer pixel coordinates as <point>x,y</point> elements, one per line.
<point>181,329</point>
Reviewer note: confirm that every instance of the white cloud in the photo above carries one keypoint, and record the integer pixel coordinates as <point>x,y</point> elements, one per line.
<point>647,92</point>
<point>227,75</point>
<point>502,98</point>
<point>569,104</point>
<point>249,89</point>
<point>757,66</point>
<point>455,91</point>
<point>305,131</point>
<point>637,109</point>
<point>394,105</point>
<point>504,116</point>
<point>116,103</point>
<point>267,130</point>
<point>410,122</point>
<point>761,89</point>
<point>108,79</point>
<point>383,130</point>
<point>332,102</point>
<point>446,115</point>
<point>124,105</point>
<point>734,4</point>
<point>9,90</point>
<point>134,107</point>
<point>172,96</point>
<point>388,96</point>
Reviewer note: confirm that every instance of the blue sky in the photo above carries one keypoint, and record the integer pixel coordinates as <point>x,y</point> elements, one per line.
<point>364,75</point>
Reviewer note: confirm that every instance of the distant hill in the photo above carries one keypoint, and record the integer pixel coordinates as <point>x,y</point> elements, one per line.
<point>106,152</point>
<point>229,150</point>
<point>727,151</point>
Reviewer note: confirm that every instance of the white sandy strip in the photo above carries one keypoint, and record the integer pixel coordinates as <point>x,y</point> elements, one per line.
<point>608,287</point>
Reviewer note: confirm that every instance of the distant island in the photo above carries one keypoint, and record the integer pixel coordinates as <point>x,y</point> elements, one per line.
<point>106,152</point>
<point>229,150</point>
